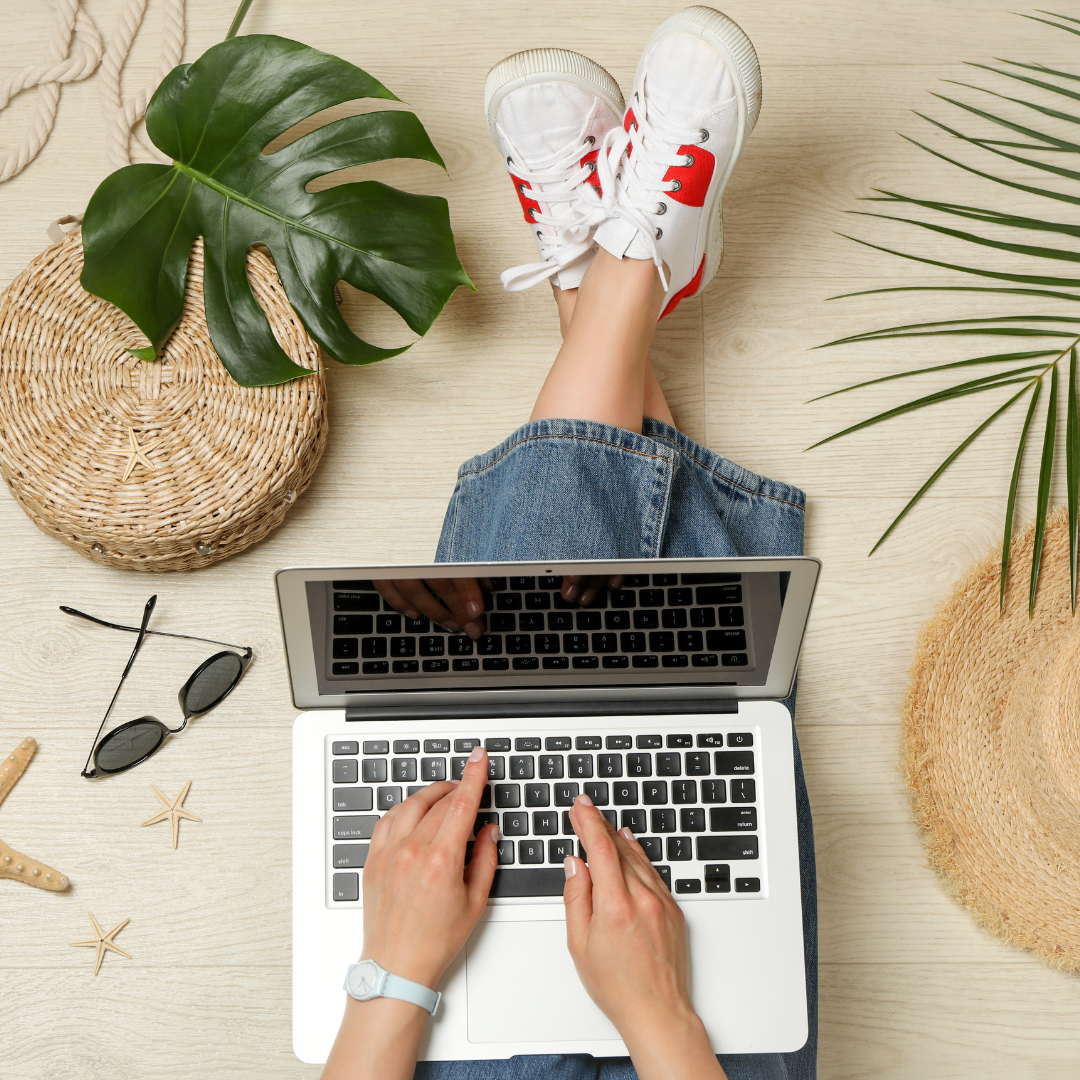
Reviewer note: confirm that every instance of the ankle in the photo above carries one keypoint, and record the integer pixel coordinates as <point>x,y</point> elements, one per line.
<point>625,284</point>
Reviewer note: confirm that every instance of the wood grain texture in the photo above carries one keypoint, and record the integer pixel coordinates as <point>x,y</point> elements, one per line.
<point>910,988</point>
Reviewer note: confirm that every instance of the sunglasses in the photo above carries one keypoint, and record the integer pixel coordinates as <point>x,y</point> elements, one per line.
<point>209,685</point>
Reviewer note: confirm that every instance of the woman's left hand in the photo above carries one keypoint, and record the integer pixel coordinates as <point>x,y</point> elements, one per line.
<point>421,901</point>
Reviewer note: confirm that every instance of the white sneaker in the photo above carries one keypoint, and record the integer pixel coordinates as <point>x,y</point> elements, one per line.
<point>696,98</point>
<point>549,110</point>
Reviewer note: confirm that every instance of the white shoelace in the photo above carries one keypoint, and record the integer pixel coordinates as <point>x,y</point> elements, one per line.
<point>632,165</point>
<point>564,181</point>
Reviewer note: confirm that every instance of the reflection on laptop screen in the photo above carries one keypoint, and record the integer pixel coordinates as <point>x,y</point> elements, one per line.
<point>714,629</point>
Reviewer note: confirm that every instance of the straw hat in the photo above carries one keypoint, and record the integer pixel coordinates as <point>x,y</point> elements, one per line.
<point>992,749</point>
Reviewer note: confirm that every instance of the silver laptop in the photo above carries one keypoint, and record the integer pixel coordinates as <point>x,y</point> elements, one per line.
<point>661,700</point>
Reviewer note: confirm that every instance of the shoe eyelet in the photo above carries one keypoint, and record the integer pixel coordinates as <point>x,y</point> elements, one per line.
<point>509,161</point>
<point>661,208</point>
<point>592,166</point>
<point>659,233</point>
<point>532,211</point>
<point>678,185</point>
<point>539,233</point>
<point>688,160</point>
<point>590,139</point>
<point>521,188</point>
<point>704,135</point>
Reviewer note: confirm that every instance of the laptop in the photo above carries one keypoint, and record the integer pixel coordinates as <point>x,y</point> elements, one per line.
<point>661,699</point>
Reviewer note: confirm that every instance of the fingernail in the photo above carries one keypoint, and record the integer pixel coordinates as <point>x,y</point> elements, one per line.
<point>474,629</point>
<point>587,597</point>
<point>452,627</point>
<point>474,609</point>
<point>477,754</point>
<point>412,613</point>
<point>571,592</point>
<point>584,800</point>
<point>626,833</point>
<point>569,866</point>
<point>495,832</point>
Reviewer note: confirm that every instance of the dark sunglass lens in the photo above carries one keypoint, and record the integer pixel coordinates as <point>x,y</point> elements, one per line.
<point>212,684</point>
<point>128,744</point>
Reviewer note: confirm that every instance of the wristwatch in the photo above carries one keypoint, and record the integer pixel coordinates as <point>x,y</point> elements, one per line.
<point>367,980</point>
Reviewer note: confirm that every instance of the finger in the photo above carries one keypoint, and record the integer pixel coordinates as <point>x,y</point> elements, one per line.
<point>591,587</point>
<point>458,595</point>
<point>577,897</point>
<point>571,586</point>
<point>406,816</point>
<point>389,591</point>
<point>636,862</point>
<point>462,806</point>
<point>481,867</point>
<point>425,602</point>
<point>599,840</point>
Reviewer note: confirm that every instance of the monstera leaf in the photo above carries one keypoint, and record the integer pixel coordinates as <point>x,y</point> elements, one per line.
<point>214,118</point>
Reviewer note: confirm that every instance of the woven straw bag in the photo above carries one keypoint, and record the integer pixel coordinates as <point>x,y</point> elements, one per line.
<point>164,465</point>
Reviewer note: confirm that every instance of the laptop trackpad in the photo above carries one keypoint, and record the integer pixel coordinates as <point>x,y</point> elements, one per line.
<point>522,987</point>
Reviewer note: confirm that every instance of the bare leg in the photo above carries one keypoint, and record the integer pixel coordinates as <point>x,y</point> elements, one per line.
<point>656,406</point>
<point>599,373</point>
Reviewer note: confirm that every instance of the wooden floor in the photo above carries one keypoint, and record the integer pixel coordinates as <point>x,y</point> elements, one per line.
<point>910,988</point>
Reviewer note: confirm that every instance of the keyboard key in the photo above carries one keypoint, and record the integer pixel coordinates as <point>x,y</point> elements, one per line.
<point>413,789</point>
<point>668,764</point>
<point>623,598</point>
<point>651,598</point>
<point>432,646</point>
<point>548,643</point>
<point>436,746</point>
<point>710,579</point>
<point>579,766</point>
<point>680,849</point>
<point>508,601</point>
<point>673,619</point>
<point>663,821</point>
<point>610,815</point>
<point>729,616</point>
<point>526,663</point>
<point>665,579</point>
<point>496,768</point>
<point>575,643</point>
<point>688,885</point>
<point>743,791</point>
<point>719,594</point>
<point>692,819</point>
<point>598,792</point>
<point>522,584</point>
<point>560,620</point>
<point>346,886</point>
<point>665,875</point>
<point>684,791</point>
<point>355,828</point>
<point>676,741</point>
<point>403,770</point>
<point>616,620</point>
<point>567,824</point>
<point>496,663</point>
<point>350,855</point>
<point>356,601</point>
<point>734,762</point>
<point>406,667</point>
<point>530,620</point>
<point>467,665</point>
<point>465,746</point>
<point>680,597</point>
<point>590,620</point>
<point>489,645</point>
<point>662,641</point>
<point>507,795</point>
<point>518,643</point>
<point>558,850</point>
<point>457,767</point>
<point>522,768</point>
<point>545,823</point>
<point>372,648</point>
<point>406,746</point>
<point>550,581</point>
<point>697,763</point>
<point>690,641</point>
<point>735,738</point>
<point>459,645</point>
<point>530,851</point>
<point>619,742</point>
<point>616,661</point>
<point>346,771</point>
<point>646,620</point>
<point>436,665</point>
<point>717,872</point>
<point>346,648</point>
<point>636,581</point>
<point>654,792</point>
<point>646,661</point>
<point>558,742</point>
<point>537,794</point>
<point>639,764</point>
<point>376,667</point>
<point>548,881</point>
<point>388,624</point>
<point>734,659</point>
<point>526,745</point>
<point>496,746</point>
<point>703,617</point>
<point>588,742</point>
<point>625,793</point>
<point>353,624</point>
<point>506,852</point>
<point>714,791</point>
<point>386,797</point>
<point>653,846</point>
<point>403,646</point>
<point>733,819</point>
<point>706,660</point>
<point>632,642</point>
<point>726,848</point>
<point>565,794</point>
<point>714,739</point>
<point>516,823</point>
<point>550,766</point>
<point>747,884</point>
<point>355,798</point>
<point>537,601</point>
<point>374,770</point>
<point>482,820</point>
<point>634,820</point>
<point>676,660</point>
<point>377,746</point>
<point>609,765</point>
<point>586,661</point>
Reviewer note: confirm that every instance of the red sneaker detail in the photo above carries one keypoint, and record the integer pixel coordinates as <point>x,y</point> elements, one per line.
<point>695,179</point>
<point>629,119</point>
<point>527,204</point>
<point>688,289</point>
<point>592,155</point>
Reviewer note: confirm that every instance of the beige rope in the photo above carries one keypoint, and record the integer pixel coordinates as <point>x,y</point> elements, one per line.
<point>75,52</point>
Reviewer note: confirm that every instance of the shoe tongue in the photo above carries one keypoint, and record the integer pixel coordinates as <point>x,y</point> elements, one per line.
<point>703,84</point>
<point>543,119</point>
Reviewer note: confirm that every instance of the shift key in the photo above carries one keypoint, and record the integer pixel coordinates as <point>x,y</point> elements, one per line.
<point>726,848</point>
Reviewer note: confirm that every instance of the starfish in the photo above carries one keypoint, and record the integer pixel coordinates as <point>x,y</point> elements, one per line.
<point>103,942</point>
<point>135,454</point>
<point>174,811</point>
<point>12,864</point>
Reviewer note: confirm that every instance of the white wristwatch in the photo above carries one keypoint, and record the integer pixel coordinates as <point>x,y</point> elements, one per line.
<point>367,980</point>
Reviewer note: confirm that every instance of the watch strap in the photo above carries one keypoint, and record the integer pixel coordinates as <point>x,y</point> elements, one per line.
<point>396,987</point>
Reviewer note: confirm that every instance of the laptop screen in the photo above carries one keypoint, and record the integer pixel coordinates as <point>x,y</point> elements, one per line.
<point>711,628</point>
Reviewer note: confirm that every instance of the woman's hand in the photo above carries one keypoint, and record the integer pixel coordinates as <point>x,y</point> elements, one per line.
<point>421,901</point>
<point>454,603</point>
<point>627,938</point>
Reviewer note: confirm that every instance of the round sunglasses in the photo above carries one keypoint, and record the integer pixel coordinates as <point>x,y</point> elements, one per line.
<point>207,687</point>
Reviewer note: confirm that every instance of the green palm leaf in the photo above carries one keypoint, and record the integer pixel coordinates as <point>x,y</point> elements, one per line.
<point>1046,466</point>
<point>1072,472</point>
<point>1010,507</point>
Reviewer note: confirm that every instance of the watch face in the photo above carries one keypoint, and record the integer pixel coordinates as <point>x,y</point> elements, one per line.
<point>364,982</point>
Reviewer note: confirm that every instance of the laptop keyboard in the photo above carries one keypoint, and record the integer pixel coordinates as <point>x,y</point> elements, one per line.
<point>653,622</point>
<point>691,799</point>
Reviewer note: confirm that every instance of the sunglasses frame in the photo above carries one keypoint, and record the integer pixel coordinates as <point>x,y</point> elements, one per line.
<point>245,658</point>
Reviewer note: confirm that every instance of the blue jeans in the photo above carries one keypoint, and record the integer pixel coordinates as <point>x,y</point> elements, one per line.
<point>574,489</point>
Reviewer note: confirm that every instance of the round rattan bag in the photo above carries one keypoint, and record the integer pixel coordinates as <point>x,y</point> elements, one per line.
<point>161,465</point>
<point>992,749</point>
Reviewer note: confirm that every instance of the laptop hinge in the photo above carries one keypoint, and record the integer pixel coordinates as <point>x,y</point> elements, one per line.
<point>539,710</point>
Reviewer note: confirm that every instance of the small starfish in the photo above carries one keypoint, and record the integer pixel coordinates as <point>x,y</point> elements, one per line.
<point>135,454</point>
<point>174,811</point>
<point>12,864</point>
<point>103,942</point>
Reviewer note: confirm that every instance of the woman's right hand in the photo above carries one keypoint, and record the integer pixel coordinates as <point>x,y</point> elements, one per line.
<point>627,938</point>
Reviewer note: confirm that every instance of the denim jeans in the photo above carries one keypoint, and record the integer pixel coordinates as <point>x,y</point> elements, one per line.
<point>575,489</point>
